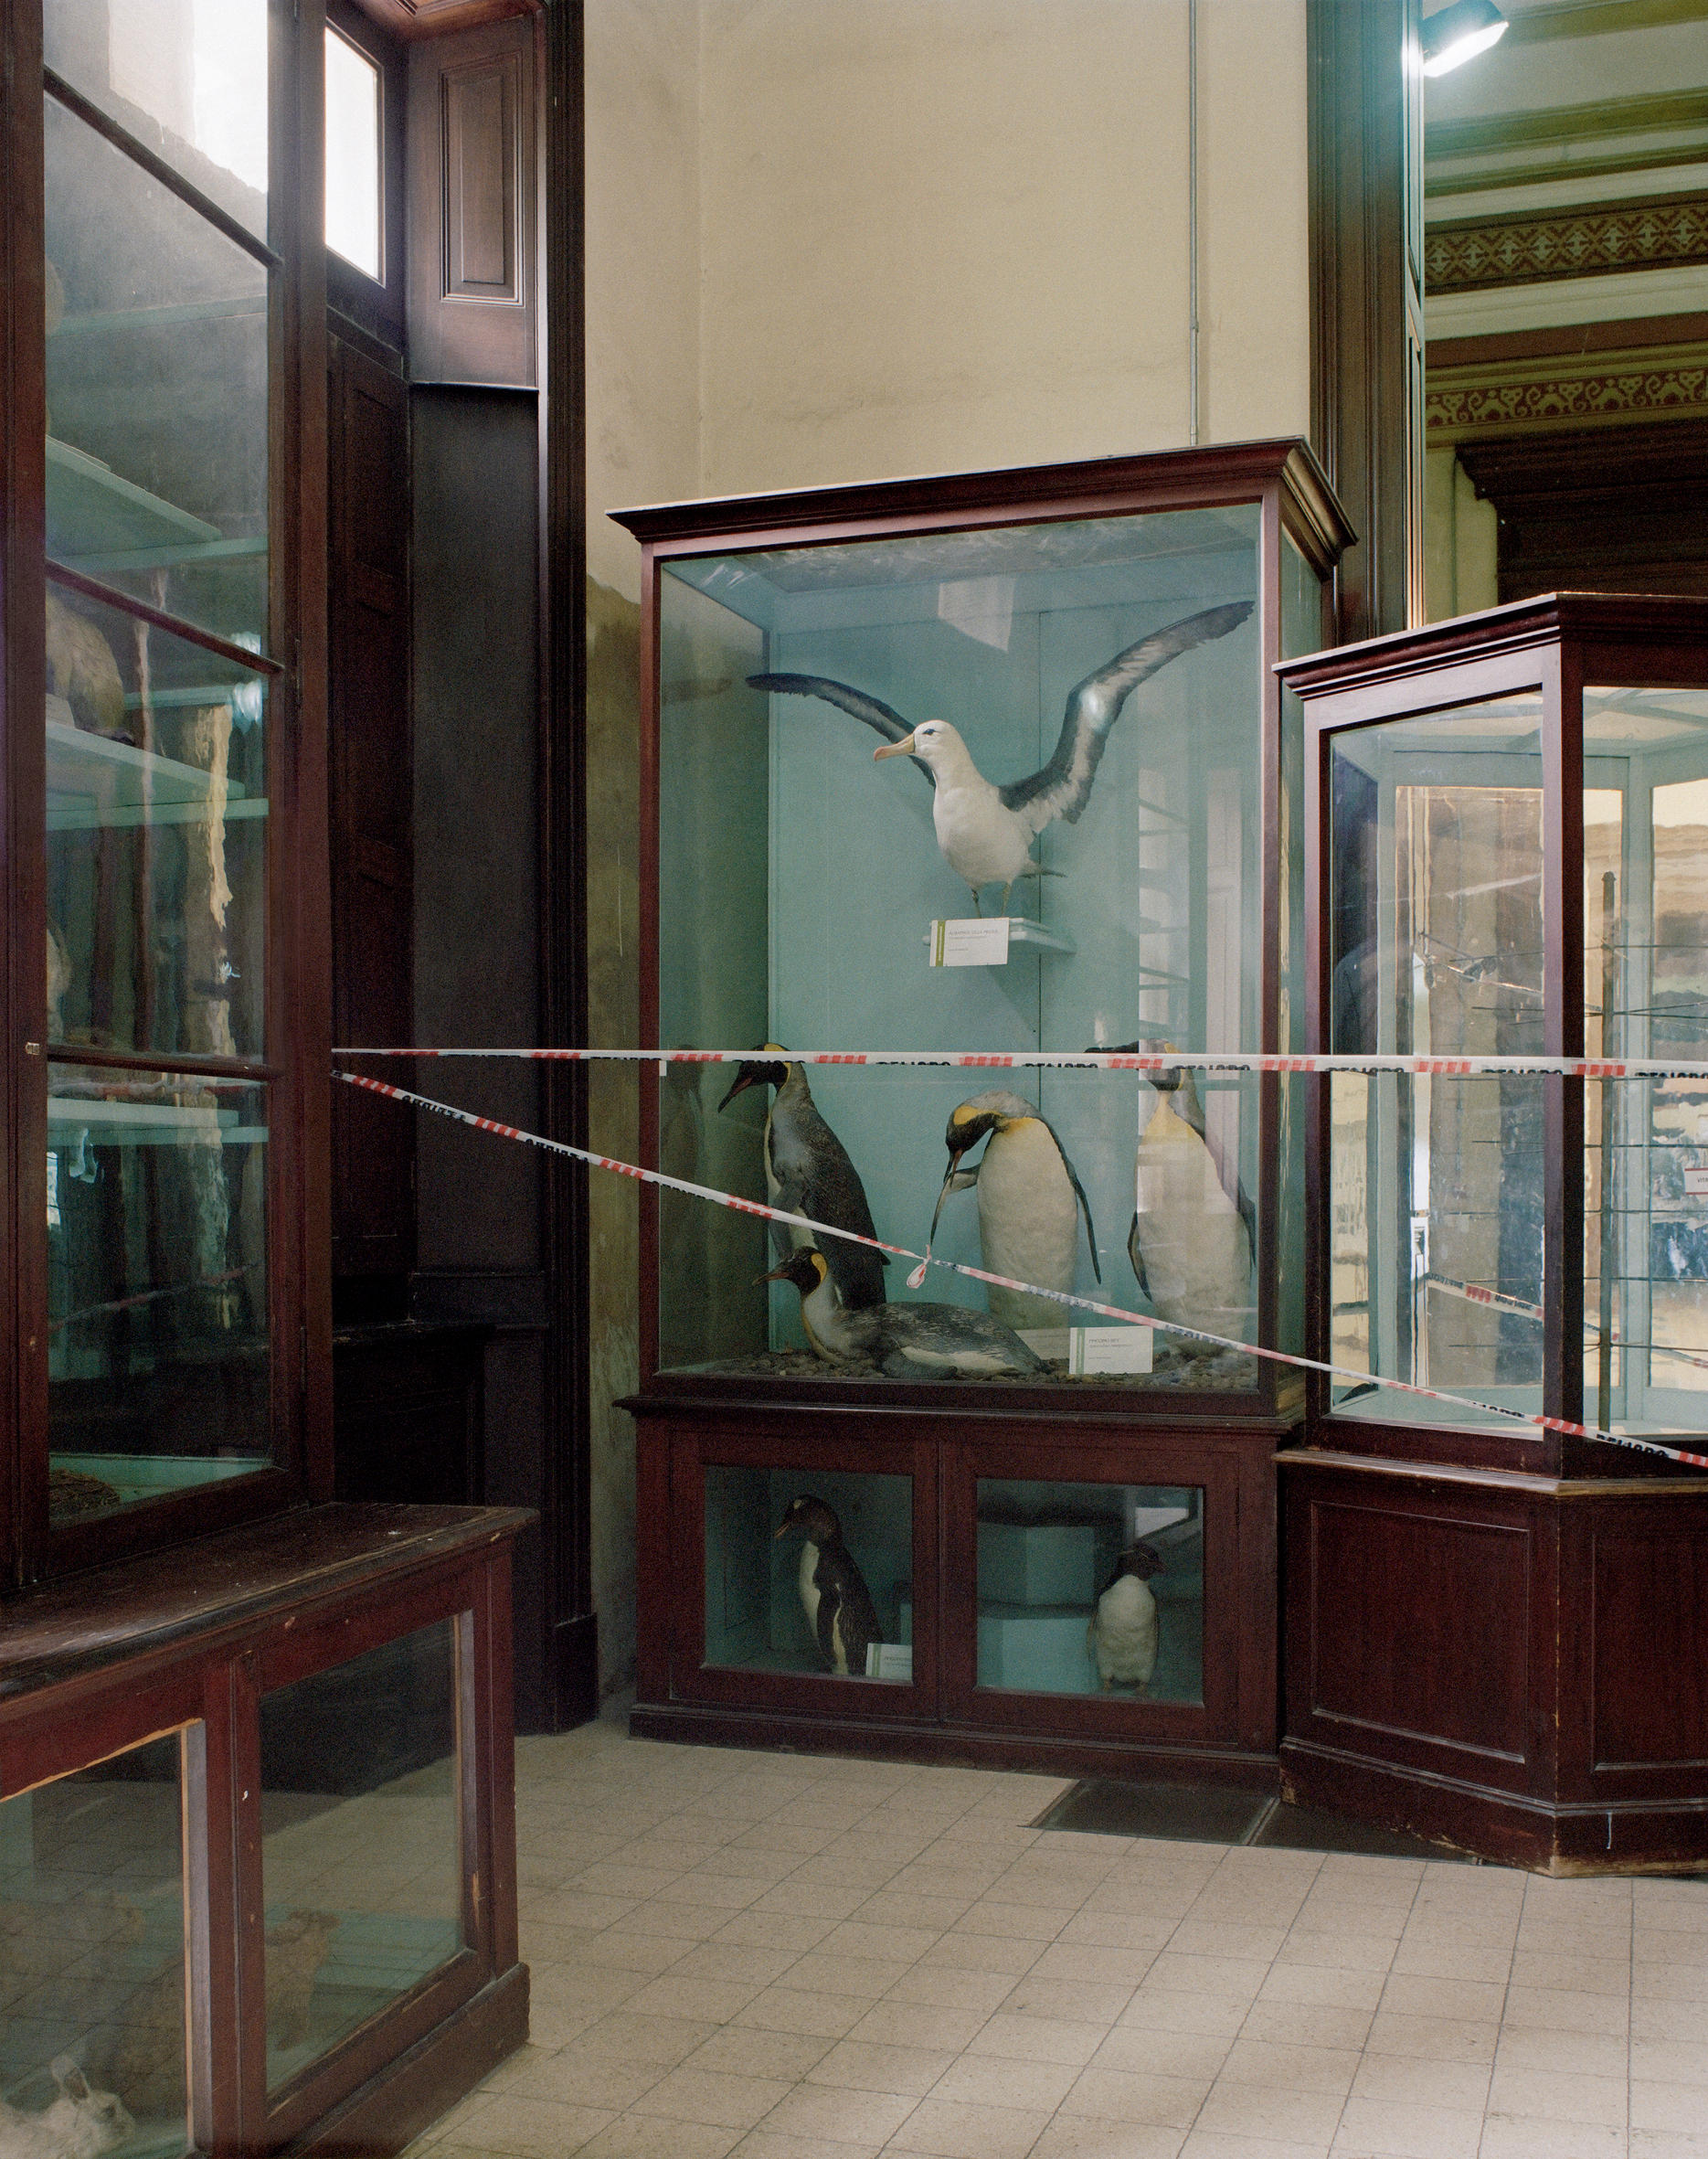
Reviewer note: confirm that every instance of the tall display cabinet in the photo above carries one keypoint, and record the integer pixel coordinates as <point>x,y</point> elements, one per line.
<point>1098,640</point>
<point>256,1813</point>
<point>1493,1626</point>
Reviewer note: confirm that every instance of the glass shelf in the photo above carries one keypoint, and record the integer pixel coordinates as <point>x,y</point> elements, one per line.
<point>124,786</point>
<point>103,521</point>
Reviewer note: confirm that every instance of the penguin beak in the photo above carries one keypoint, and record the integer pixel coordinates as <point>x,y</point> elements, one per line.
<point>949,1185</point>
<point>902,749</point>
<point>783,1531</point>
<point>742,1081</point>
<point>776,1275</point>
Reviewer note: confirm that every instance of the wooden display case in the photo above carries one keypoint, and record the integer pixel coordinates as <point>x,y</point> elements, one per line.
<point>1490,1630</point>
<point>793,895</point>
<point>266,1824</point>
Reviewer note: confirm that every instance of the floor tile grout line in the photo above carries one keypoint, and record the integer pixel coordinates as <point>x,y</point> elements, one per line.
<point>1411,1911</point>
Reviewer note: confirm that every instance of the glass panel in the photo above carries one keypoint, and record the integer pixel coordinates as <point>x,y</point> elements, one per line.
<point>157,1326</point>
<point>156,390</point>
<point>1646,964</point>
<point>361,1861</point>
<point>352,208</point>
<point>91,1961</point>
<point>809,1570</point>
<point>156,838</point>
<point>1091,1588</point>
<point>188,77</point>
<point>806,899</point>
<point>1436,942</point>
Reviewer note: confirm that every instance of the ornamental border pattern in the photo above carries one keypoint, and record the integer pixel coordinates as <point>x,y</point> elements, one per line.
<point>1533,248</point>
<point>1628,386</point>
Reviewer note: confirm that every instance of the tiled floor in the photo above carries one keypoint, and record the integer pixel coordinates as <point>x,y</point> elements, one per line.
<point>791,1957</point>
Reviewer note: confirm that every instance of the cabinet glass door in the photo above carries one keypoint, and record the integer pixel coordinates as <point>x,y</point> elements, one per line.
<point>160,733</point>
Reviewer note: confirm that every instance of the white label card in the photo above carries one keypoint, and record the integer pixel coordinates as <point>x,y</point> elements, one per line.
<point>1696,1184</point>
<point>973,942</point>
<point>1110,1349</point>
<point>889,1660</point>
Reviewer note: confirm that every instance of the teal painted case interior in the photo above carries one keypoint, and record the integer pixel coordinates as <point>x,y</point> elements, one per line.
<point>753,1613</point>
<point>1047,1551</point>
<point>799,880</point>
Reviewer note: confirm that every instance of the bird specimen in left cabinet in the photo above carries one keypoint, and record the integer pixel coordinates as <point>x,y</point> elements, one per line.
<point>1123,1636</point>
<point>82,670</point>
<point>986,831</point>
<point>1030,1201</point>
<point>81,2124</point>
<point>833,1594</point>
<point>904,1341</point>
<point>807,1172</point>
<point>1190,1244</point>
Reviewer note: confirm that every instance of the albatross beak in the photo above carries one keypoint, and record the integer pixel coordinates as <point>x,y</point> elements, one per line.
<point>902,749</point>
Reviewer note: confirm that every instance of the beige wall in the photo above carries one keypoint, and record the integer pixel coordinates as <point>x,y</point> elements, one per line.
<point>837,239</point>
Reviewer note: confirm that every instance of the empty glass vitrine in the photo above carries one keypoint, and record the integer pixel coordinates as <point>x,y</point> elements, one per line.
<point>1511,866</point>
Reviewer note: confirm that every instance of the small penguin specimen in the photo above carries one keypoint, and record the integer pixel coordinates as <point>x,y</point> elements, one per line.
<point>986,831</point>
<point>1190,1244</point>
<point>904,1341</point>
<point>833,1594</point>
<point>1123,1636</point>
<point>807,1172</point>
<point>58,981</point>
<point>1030,1201</point>
<point>82,670</point>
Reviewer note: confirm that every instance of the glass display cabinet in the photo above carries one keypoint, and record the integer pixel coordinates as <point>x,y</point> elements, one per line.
<point>995,764</point>
<point>256,1803</point>
<point>1505,829</point>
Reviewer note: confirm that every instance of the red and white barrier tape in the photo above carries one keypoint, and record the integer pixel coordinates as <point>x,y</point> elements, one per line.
<point>1110,1060</point>
<point>1006,1281</point>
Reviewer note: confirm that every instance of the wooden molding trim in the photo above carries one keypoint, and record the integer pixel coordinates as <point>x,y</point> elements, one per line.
<point>1679,112</point>
<point>434,18</point>
<point>1528,248</point>
<point>1549,19</point>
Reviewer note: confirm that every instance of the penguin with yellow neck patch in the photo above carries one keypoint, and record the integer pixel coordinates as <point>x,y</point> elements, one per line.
<point>833,1594</point>
<point>904,1341</point>
<point>807,1172</point>
<point>1030,1201</point>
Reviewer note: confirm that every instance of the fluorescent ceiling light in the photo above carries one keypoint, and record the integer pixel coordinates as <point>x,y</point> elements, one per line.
<point>1456,34</point>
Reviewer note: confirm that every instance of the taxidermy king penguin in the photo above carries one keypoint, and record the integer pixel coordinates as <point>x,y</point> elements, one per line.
<point>833,1594</point>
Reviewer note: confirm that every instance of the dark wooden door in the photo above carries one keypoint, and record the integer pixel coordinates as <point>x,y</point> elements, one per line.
<point>372,813</point>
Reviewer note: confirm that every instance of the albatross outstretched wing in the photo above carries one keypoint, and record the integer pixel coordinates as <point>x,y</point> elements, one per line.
<point>1062,788</point>
<point>873,710</point>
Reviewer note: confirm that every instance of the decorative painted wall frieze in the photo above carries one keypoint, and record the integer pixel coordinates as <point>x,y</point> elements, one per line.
<point>1510,396</point>
<point>1472,254</point>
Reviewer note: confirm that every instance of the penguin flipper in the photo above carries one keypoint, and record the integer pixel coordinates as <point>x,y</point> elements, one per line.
<point>1136,1256</point>
<point>830,1601</point>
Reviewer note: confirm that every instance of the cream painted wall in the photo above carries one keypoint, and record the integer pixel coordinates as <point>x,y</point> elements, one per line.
<point>837,240</point>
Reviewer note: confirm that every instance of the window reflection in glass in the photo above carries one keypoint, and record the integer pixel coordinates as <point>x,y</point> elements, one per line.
<point>188,77</point>
<point>361,1860</point>
<point>157,390</point>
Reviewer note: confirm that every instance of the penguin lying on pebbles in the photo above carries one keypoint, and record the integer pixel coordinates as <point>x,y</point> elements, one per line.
<point>1030,1201</point>
<point>1123,1636</point>
<point>904,1341</point>
<point>985,832</point>
<point>833,1594</point>
<point>807,1172</point>
<point>1190,1244</point>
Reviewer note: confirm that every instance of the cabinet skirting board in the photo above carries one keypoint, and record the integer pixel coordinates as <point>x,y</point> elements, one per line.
<point>419,2086</point>
<point>1042,1753</point>
<point>1504,1828</point>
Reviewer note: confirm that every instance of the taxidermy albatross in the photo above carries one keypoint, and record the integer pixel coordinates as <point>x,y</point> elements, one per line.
<point>986,831</point>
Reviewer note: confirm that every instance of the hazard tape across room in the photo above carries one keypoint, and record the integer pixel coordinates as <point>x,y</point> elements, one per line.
<point>1112,1060</point>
